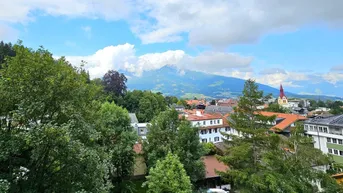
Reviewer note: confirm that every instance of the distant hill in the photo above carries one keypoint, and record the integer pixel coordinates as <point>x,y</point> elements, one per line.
<point>190,84</point>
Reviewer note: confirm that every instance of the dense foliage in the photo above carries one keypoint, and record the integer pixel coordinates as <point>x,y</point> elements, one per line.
<point>54,135</point>
<point>274,107</point>
<point>167,133</point>
<point>168,176</point>
<point>261,161</point>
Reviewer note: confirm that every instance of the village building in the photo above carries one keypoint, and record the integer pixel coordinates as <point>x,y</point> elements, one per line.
<point>210,125</point>
<point>223,110</point>
<point>140,128</point>
<point>284,122</point>
<point>179,108</point>
<point>211,163</point>
<point>282,100</point>
<point>327,133</point>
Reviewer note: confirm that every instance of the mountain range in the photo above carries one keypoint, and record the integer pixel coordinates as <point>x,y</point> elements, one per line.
<point>189,84</point>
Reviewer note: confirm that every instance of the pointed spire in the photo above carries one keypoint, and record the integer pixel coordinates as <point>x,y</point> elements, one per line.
<point>282,94</point>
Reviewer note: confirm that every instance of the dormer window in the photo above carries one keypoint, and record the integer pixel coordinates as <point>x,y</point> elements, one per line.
<point>210,122</point>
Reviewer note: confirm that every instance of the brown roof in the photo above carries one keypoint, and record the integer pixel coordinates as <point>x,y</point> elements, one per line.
<point>204,116</point>
<point>212,165</point>
<point>137,148</point>
<point>288,119</point>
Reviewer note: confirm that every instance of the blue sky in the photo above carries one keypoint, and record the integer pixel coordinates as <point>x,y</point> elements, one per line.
<point>296,43</point>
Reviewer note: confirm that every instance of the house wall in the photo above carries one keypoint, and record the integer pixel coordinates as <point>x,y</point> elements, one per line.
<point>328,140</point>
<point>215,137</point>
<point>139,167</point>
<point>207,122</point>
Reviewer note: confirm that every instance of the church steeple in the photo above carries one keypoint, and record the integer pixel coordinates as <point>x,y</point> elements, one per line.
<point>282,98</point>
<point>282,94</point>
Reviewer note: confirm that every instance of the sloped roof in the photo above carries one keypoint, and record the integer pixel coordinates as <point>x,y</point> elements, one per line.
<point>288,119</point>
<point>218,109</point>
<point>133,118</point>
<point>212,164</point>
<point>195,102</point>
<point>336,120</point>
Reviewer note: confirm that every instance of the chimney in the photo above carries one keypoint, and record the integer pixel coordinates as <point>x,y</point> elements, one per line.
<point>198,113</point>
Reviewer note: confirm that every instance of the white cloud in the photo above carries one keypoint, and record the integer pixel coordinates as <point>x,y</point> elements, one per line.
<point>22,11</point>
<point>8,33</point>
<point>333,77</point>
<point>221,23</point>
<point>124,57</point>
<point>275,77</point>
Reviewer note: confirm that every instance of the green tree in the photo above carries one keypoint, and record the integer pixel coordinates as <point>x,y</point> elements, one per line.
<point>276,108</point>
<point>261,161</point>
<point>47,134</point>
<point>6,50</point>
<point>167,133</point>
<point>171,100</point>
<point>168,176</point>
<point>118,139</point>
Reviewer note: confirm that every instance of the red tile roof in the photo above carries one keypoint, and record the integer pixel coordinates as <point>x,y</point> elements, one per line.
<point>288,119</point>
<point>204,116</point>
<point>212,165</point>
<point>195,102</point>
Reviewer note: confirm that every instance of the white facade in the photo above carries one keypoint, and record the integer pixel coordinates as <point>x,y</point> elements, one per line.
<point>328,140</point>
<point>210,130</point>
<point>205,123</point>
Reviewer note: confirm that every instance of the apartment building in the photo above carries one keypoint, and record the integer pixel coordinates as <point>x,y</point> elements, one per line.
<point>327,133</point>
<point>211,125</point>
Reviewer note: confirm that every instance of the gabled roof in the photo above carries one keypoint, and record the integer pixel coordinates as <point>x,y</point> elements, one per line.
<point>288,119</point>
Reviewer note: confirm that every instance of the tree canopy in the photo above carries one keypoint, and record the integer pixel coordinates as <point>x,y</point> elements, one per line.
<point>261,161</point>
<point>167,133</point>
<point>168,176</point>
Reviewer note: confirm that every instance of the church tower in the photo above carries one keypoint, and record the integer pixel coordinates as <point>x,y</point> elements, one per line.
<point>282,100</point>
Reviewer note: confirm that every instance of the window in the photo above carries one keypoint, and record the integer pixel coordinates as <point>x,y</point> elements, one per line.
<point>204,140</point>
<point>142,131</point>
<point>330,150</point>
<point>218,121</point>
<point>340,141</point>
<point>216,139</point>
<point>227,129</point>
<point>210,131</point>
<point>216,130</point>
<point>306,126</point>
<point>341,153</point>
<point>320,129</point>
<point>209,139</point>
<point>210,122</point>
<point>334,140</point>
<point>311,127</point>
<point>328,140</point>
<point>335,151</point>
<point>204,122</point>
<point>325,129</point>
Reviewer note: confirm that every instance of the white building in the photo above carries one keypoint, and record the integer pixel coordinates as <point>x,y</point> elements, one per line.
<point>140,128</point>
<point>211,126</point>
<point>327,133</point>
